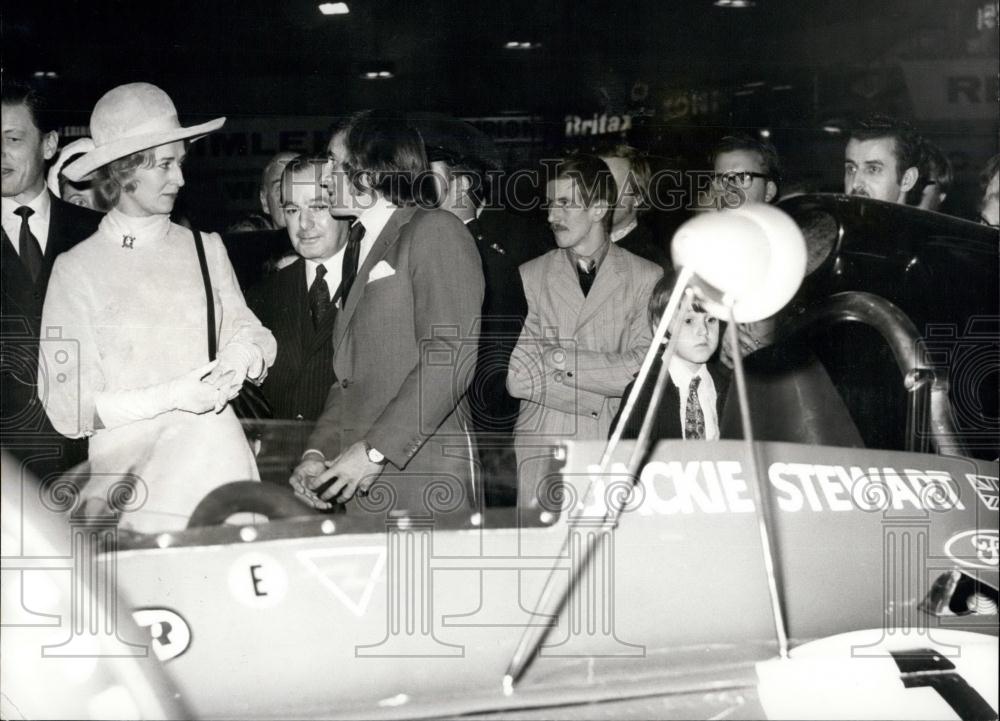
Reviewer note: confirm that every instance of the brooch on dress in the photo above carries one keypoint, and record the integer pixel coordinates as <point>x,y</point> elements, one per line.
<point>127,241</point>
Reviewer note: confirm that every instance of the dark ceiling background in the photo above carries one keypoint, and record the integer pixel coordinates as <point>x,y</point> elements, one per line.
<point>284,57</point>
<point>683,71</point>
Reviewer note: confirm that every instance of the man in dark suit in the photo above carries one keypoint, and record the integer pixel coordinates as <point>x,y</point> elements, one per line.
<point>37,227</point>
<point>628,228</point>
<point>256,254</point>
<point>405,340</point>
<point>297,303</point>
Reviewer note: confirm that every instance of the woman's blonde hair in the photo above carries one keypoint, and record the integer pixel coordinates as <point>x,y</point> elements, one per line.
<point>119,175</point>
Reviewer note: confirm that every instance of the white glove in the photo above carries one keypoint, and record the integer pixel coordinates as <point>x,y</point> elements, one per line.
<point>187,393</point>
<point>241,360</point>
<point>236,362</point>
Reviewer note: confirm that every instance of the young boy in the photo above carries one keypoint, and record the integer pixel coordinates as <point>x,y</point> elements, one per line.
<point>693,396</point>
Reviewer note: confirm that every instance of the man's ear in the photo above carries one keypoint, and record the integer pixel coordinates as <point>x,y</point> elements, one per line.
<point>464,181</point>
<point>772,191</point>
<point>600,210</point>
<point>263,201</point>
<point>909,180</point>
<point>50,144</point>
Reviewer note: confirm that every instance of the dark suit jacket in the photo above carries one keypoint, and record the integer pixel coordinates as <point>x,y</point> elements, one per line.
<point>494,410</point>
<point>404,349</point>
<point>643,242</point>
<point>250,251</point>
<point>300,379</point>
<point>523,237</point>
<point>667,422</point>
<point>26,431</point>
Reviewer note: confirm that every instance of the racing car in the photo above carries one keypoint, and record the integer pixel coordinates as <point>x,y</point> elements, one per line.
<point>838,562</point>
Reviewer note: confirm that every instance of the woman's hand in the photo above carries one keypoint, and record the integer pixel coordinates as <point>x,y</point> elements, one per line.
<point>193,394</point>
<point>236,361</point>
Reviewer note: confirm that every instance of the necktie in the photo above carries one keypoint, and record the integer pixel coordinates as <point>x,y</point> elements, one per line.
<point>27,244</point>
<point>694,419</point>
<point>351,255</point>
<point>587,270</point>
<point>319,297</point>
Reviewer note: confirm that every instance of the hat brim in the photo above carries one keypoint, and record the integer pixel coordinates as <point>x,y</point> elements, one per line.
<point>99,157</point>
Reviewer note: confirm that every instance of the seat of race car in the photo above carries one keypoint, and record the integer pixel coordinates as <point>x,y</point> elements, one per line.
<point>792,399</point>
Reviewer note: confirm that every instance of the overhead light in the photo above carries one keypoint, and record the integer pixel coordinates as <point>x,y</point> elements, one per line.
<point>50,74</point>
<point>334,8</point>
<point>377,75</point>
<point>765,133</point>
<point>755,84</point>
<point>521,45</point>
<point>832,129</point>
<point>735,4</point>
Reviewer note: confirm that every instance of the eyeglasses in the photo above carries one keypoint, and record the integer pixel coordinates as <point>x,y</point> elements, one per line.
<point>737,179</point>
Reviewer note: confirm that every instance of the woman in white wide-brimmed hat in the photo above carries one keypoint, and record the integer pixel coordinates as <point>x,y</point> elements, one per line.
<point>125,361</point>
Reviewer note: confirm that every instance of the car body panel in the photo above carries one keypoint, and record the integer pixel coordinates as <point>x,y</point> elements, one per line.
<point>409,618</point>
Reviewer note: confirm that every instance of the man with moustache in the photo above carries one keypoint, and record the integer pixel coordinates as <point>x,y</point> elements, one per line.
<point>297,304</point>
<point>405,338</point>
<point>882,159</point>
<point>37,226</point>
<point>745,170</point>
<point>586,331</point>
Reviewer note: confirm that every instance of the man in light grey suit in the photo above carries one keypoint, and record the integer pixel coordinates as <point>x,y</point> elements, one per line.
<point>586,331</point>
<point>404,341</point>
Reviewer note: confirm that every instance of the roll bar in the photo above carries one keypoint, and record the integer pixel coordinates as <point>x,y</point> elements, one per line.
<point>928,415</point>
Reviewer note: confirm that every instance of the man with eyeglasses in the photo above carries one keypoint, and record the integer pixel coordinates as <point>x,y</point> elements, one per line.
<point>744,170</point>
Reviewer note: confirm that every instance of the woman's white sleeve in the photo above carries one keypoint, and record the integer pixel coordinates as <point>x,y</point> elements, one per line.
<point>238,323</point>
<point>123,407</point>
<point>69,364</point>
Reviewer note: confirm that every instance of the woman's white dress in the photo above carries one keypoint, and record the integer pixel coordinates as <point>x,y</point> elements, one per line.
<point>126,309</point>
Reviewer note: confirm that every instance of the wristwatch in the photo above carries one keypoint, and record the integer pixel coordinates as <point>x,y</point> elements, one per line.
<point>374,455</point>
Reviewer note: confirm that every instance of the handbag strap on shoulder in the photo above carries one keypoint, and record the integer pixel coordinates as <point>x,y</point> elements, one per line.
<point>210,298</point>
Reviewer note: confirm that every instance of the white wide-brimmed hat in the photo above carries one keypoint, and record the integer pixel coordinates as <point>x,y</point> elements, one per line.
<point>130,118</point>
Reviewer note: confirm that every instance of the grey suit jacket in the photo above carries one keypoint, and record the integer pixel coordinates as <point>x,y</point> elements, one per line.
<point>405,348</point>
<point>576,354</point>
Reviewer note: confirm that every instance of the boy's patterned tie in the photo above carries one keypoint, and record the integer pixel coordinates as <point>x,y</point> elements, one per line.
<point>694,419</point>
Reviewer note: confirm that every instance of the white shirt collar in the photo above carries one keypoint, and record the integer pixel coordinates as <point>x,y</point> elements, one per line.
<point>374,219</point>
<point>681,375</point>
<point>334,267</point>
<point>617,235</point>
<point>38,221</point>
<point>40,204</point>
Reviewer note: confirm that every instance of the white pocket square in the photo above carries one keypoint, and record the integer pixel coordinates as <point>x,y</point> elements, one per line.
<point>380,271</point>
